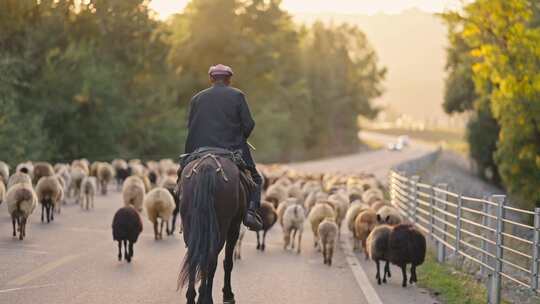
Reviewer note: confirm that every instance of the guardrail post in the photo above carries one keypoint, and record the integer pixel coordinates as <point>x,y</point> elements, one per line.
<point>441,247</point>
<point>494,292</point>
<point>483,243</point>
<point>458,224</point>
<point>431,219</point>
<point>414,184</point>
<point>536,253</point>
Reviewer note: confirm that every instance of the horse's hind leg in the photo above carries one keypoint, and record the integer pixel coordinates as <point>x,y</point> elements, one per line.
<point>258,241</point>
<point>191,293</point>
<point>210,282</point>
<point>228,295</point>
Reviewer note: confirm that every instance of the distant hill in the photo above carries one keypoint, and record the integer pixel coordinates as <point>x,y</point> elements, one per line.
<point>412,46</point>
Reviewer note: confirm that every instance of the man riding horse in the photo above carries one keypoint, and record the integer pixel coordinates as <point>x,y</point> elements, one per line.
<point>219,117</point>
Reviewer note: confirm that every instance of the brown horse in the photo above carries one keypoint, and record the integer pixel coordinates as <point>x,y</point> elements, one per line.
<point>212,206</point>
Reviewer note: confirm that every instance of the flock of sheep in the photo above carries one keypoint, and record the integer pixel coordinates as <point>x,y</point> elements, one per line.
<point>326,201</point>
<point>149,186</point>
<point>329,201</point>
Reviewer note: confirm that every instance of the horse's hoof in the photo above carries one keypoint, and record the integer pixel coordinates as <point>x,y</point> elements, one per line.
<point>229,301</point>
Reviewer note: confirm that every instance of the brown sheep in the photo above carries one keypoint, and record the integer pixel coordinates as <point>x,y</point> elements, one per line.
<point>350,218</point>
<point>269,218</point>
<point>105,174</point>
<point>49,193</point>
<point>42,169</point>
<point>364,224</point>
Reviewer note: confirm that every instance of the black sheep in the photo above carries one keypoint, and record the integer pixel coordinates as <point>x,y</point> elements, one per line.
<point>407,245</point>
<point>127,225</point>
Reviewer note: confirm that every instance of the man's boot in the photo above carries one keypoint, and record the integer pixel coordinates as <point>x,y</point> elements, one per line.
<point>253,220</point>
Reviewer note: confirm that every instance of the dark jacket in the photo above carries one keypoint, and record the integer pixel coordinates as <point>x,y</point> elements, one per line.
<point>218,117</point>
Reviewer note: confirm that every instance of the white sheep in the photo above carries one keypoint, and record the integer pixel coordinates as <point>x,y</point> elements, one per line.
<point>238,247</point>
<point>328,232</point>
<point>319,212</point>
<point>276,194</point>
<point>2,192</point>
<point>313,198</point>
<point>372,195</point>
<point>88,192</point>
<point>133,192</point>
<point>283,206</point>
<point>293,223</point>
<point>389,215</point>
<point>159,204</point>
<point>78,173</point>
<point>21,201</point>
<point>26,167</point>
<point>19,178</point>
<point>4,173</point>
<point>341,204</point>
<point>49,193</point>
<point>63,189</point>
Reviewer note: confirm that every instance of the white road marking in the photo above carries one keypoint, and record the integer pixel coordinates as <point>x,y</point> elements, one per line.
<point>361,278</point>
<point>25,288</point>
<point>42,270</point>
<point>23,251</point>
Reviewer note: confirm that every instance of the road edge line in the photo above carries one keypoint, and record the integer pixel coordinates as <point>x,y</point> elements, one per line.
<point>360,276</point>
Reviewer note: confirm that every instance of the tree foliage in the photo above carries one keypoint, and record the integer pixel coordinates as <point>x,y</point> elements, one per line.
<point>105,78</point>
<point>503,41</point>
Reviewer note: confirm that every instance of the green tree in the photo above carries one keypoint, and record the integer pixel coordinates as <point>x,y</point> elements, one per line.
<point>504,41</point>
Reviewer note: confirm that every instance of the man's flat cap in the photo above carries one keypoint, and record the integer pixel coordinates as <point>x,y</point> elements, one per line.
<point>220,69</point>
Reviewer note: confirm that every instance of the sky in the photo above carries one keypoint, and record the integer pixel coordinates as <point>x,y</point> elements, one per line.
<point>165,8</point>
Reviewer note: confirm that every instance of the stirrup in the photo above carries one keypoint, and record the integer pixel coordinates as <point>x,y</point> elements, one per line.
<point>253,220</point>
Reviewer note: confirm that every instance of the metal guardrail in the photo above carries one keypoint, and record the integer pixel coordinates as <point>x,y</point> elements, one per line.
<point>479,230</point>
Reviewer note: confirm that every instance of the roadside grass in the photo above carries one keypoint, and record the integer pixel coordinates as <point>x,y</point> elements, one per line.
<point>449,285</point>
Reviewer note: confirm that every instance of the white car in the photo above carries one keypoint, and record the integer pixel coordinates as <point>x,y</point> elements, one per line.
<point>403,140</point>
<point>394,146</point>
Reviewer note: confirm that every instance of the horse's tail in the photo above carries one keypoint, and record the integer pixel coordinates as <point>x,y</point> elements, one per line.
<point>203,239</point>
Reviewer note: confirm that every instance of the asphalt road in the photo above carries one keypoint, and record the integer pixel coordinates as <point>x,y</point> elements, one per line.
<point>377,162</point>
<point>73,260</point>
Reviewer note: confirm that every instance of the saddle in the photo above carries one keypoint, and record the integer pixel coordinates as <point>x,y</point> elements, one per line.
<point>213,153</point>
